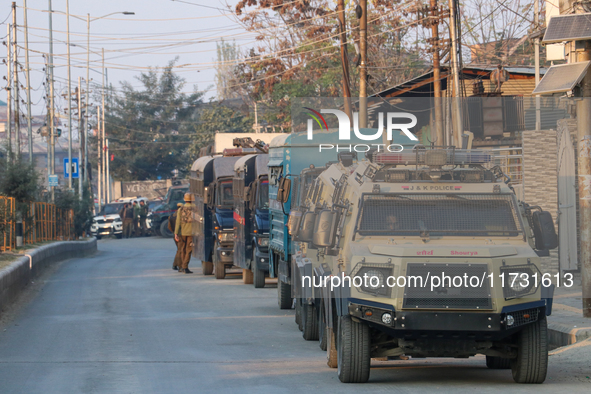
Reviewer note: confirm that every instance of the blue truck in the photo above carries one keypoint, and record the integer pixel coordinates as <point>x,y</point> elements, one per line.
<point>289,155</point>
<point>211,183</point>
<point>251,218</point>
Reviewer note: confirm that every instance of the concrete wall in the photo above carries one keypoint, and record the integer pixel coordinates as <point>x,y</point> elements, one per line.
<point>150,189</point>
<point>15,277</point>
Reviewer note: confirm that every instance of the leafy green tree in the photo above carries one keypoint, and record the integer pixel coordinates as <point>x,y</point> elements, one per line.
<point>149,129</point>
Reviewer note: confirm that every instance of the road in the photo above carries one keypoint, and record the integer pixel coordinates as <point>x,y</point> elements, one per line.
<point>124,322</point>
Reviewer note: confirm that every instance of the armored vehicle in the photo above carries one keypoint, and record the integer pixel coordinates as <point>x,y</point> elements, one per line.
<point>427,253</point>
<point>211,182</point>
<point>251,218</point>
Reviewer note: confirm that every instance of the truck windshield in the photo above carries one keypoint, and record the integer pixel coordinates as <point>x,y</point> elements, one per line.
<point>263,195</point>
<point>224,194</point>
<point>438,215</point>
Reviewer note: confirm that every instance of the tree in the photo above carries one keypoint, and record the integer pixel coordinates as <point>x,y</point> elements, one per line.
<point>227,54</point>
<point>149,129</point>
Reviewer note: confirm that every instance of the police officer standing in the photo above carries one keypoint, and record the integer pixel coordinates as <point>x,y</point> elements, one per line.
<point>183,232</point>
<point>127,221</point>
<point>171,226</point>
<point>143,212</point>
<point>136,219</point>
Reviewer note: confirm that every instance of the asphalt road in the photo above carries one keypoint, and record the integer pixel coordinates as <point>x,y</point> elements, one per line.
<point>124,322</point>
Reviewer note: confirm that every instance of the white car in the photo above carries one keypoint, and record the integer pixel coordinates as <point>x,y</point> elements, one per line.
<point>108,222</point>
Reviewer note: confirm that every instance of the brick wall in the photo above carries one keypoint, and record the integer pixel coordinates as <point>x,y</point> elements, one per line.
<point>540,179</point>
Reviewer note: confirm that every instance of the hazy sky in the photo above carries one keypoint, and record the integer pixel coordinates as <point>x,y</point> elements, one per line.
<point>159,31</point>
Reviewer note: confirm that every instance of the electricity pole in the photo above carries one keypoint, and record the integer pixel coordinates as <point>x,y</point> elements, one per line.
<point>28,76</point>
<point>69,98</point>
<point>537,62</point>
<point>87,102</point>
<point>344,57</point>
<point>15,95</point>
<point>9,92</point>
<point>456,107</point>
<point>103,129</point>
<point>436,74</point>
<point>99,149</point>
<point>363,65</point>
<point>79,94</point>
<point>51,162</point>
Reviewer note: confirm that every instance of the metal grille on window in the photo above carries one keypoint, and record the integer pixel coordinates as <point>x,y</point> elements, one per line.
<point>439,214</point>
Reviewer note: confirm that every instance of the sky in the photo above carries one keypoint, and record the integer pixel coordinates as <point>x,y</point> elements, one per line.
<point>159,31</point>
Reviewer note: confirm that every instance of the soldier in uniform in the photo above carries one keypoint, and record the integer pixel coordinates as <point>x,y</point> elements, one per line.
<point>172,226</point>
<point>127,221</point>
<point>143,209</point>
<point>136,219</point>
<point>183,231</point>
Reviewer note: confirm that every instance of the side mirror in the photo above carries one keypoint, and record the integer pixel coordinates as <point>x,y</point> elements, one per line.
<point>324,228</point>
<point>284,189</point>
<point>246,196</point>
<point>306,230</point>
<point>208,195</point>
<point>544,231</point>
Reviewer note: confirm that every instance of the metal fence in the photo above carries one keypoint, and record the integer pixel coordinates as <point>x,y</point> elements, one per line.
<point>511,162</point>
<point>42,222</point>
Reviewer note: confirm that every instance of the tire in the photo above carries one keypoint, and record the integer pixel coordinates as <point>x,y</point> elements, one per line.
<point>493,362</point>
<point>247,276</point>
<point>258,275</point>
<point>220,268</point>
<point>166,233</point>
<point>284,295</point>
<point>322,329</point>
<point>531,364</point>
<point>156,231</point>
<point>119,236</point>
<point>309,322</point>
<point>207,267</point>
<point>353,351</point>
<point>298,314</point>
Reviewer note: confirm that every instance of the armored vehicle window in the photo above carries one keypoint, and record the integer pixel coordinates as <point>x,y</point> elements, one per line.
<point>263,195</point>
<point>224,193</point>
<point>438,215</point>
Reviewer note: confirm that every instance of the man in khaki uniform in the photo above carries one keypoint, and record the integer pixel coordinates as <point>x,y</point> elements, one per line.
<point>172,226</point>
<point>183,232</point>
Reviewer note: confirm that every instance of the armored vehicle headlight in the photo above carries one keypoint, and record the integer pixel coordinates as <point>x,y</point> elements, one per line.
<point>510,320</point>
<point>263,241</point>
<point>372,278</point>
<point>519,280</point>
<point>387,318</point>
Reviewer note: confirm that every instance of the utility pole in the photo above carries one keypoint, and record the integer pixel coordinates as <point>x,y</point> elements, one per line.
<point>9,91</point>
<point>456,107</point>
<point>103,129</point>
<point>69,97</point>
<point>108,177</point>
<point>99,149</point>
<point>87,101</point>
<point>51,162</point>
<point>436,73</point>
<point>28,75</point>
<point>15,95</point>
<point>344,57</point>
<point>79,97</point>
<point>537,62</point>
<point>363,65</point>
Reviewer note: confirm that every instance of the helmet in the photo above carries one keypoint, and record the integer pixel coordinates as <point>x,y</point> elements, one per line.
<point>189,197</point>
<point>180,204</point>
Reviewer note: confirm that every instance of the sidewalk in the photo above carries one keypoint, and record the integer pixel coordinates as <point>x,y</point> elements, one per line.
<point>567,325</point>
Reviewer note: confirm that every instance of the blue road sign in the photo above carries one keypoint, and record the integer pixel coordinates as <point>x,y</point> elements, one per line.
<point>53,181</point>
<point>75,169</point>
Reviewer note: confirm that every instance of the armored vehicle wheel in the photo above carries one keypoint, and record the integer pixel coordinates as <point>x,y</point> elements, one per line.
<point>207,267</point>
<point>353,351</point>
<point>220,270</point>
<point>493,362</point>
<point>258,275</point>
<point>284,295</point>
<point>298,314</point>
<point>98,237</point>
<point>322,328</point>
<point>166,233</point>
<point>157,231</point>
<point>309,322</point>
<point>531,363</point>
<point>246,276</point>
